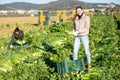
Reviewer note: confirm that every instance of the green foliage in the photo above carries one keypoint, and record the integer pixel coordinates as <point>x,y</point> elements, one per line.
<point>53,44</point>
<point>117,18</point>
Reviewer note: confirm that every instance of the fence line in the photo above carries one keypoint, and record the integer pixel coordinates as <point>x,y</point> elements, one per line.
<point>51,17</point>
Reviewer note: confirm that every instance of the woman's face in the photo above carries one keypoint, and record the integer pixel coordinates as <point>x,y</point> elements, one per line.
<point>79,11</point>
<point>16,32</point>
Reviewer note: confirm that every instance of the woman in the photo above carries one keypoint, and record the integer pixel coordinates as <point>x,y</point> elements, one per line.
<point>81,31</point>
<point>17,35</point>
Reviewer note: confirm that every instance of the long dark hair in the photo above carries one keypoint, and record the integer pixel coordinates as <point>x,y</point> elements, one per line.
<point>73,19</point>
<point>78,7</point>
<point>79,16</point>
<point>16,29</point>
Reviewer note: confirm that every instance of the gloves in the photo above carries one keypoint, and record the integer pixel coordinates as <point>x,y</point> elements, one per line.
<point>75,33</point>
<point>11,46</point>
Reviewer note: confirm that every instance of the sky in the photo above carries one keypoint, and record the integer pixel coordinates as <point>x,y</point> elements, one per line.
<point>47,1</point>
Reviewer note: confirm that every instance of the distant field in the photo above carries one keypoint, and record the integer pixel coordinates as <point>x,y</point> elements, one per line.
<point>14,20</point>
<point>8,24</point>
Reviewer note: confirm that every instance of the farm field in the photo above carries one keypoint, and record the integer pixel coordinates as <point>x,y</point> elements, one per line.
<point>13,20</point>
<point>51,44</point>
<point>8,24</point>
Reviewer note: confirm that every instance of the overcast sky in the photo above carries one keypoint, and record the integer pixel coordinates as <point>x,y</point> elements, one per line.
<point>46,1</point>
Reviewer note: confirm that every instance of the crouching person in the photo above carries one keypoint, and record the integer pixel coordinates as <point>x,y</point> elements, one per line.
<point>17,35</point>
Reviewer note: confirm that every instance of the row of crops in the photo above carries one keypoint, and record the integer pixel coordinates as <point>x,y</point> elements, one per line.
<point>53,44</point>
<point>117,18</point>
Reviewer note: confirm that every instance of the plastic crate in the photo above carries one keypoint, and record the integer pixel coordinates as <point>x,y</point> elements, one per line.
<point>70,66</point>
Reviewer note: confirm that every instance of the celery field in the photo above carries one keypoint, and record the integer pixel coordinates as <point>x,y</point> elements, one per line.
<point>51,44</point>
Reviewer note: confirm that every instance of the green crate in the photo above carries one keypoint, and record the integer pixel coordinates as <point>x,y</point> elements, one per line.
<point>70,66</point>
